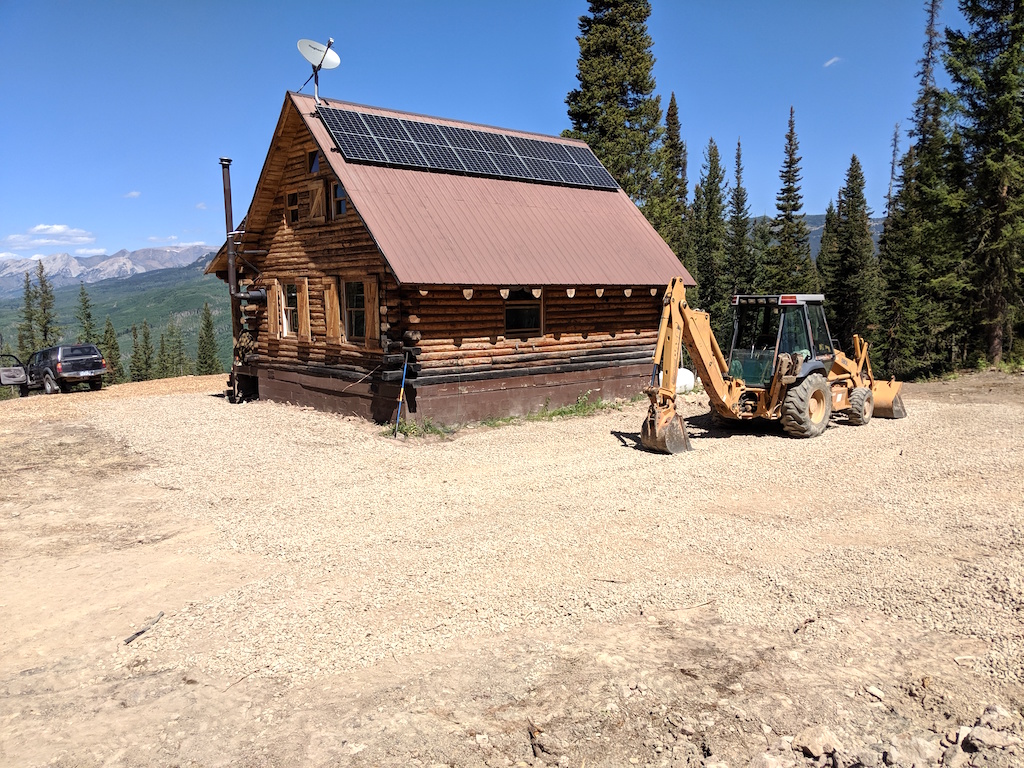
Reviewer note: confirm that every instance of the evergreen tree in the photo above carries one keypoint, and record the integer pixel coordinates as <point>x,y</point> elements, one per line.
<point>828,253</point>
<point>206,349</point>
<point>738,246</point>
<point>48,332</point>
<point>789,267</point>
<point>761,244</point>
<point>709,235</point>
<point>614,109</point>
<point>27,343</point>
<point>179,363</point>
<point>162,367</point>
<point>667,209</point>
<point>142,354</point>
<point>87,333</point>
<point>986,66</point>
<point>854,289</point>
<point>112,354</point>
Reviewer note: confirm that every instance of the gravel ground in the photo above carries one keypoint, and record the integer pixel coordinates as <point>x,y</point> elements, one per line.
<point>356,552</point>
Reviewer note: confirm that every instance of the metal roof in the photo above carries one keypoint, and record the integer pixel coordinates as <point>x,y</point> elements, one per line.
<point>436,228</point>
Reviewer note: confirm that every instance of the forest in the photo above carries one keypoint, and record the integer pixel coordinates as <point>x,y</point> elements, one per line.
<point>943,289</point>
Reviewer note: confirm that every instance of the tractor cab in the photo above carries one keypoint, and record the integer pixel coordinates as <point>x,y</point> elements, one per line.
<point>765,326</point>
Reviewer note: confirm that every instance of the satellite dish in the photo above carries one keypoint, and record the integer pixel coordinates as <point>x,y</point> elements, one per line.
<point>320,57</point>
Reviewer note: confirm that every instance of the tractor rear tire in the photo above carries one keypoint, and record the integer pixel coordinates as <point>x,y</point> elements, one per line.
<point>807,407</point>
<point>862,406</point>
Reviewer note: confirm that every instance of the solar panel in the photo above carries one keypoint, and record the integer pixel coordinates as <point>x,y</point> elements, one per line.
<point>370,138</point>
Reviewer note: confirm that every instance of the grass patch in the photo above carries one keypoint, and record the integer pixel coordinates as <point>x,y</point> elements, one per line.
<point>426,428</point>
<point>498,421</point>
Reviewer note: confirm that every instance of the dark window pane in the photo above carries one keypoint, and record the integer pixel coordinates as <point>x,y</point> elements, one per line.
<point>522,317</point>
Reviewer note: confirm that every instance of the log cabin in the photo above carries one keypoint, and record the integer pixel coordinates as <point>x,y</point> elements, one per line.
<point>480,272</point>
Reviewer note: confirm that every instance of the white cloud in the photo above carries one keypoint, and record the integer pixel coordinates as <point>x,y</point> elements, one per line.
<point>37,256</point>
<point>201,206</point>
<point>8,255</point>
<point>90,251</point>
<point>168,239</point>
<point>133,194</point>
<point>833,60</point>
<point>186,245</point>
<point>47,235</point>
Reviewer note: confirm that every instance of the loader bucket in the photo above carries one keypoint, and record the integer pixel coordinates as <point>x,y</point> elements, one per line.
<point>888,402</point>
<point>664,431</point>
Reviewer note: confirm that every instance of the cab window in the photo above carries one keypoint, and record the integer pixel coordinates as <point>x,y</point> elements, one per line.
<point>794,333</point>
<point>819,331</point>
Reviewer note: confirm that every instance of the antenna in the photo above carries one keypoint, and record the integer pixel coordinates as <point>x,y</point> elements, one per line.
<point>321,57</point>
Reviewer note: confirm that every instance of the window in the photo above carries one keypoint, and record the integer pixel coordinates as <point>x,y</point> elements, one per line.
<point>293,207</point>
<point>291,310</point>
<point>522,313</point>
<point>355,311</point>
<point>794,336</point>
<point>753,350</point>
<point>819,331</point>
<point>338,207</point>
<point>313,162</point>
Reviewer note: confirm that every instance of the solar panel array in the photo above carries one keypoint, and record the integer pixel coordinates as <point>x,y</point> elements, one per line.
<point>367,138</point>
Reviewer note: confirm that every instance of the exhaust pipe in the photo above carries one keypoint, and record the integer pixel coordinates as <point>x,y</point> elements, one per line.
<point>258,296</point>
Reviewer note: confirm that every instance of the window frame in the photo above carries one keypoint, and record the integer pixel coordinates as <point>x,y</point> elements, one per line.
<point>280,327</point>
<point>335,199</point>
<point>336,310</point>
<point>516,300</point>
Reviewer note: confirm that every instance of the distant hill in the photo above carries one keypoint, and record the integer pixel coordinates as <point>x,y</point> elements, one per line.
<point>64,269</point>
<point>816,222</point>
<point>155,296</point>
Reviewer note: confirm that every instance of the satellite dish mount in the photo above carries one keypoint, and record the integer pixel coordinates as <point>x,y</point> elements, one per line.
<point>320,57</point>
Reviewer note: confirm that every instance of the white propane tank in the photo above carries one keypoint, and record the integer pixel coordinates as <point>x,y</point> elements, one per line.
<point>684,380</point>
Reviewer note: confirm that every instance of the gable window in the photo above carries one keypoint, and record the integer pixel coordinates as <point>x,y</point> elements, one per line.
<point>522,313</point>
<point>291,310</point>
<point>338,206</point>
<point>313,162</point>
<point>293,207</point>
<point>355,311</point>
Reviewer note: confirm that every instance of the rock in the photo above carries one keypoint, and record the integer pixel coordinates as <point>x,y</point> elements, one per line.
<point>816,741</point>
<point>769,761</point>
<point>869,758</point>
<point>550,743</point>
<point>981,738</point>
<point>876,692</point>
<point>954,757</point>
<point>996,718</point>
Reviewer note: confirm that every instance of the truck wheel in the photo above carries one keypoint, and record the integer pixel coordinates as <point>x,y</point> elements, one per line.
<point>862,406</point>
<point>807,407</point>
<point>23,390</point>
<point>96,385</point>
<point>49,385</point>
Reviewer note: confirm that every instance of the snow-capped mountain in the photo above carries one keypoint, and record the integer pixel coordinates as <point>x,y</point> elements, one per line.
<point>65,269</point>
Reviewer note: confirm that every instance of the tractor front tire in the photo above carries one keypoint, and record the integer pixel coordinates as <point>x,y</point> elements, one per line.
<point>807,407</point>
<point>862,406</point>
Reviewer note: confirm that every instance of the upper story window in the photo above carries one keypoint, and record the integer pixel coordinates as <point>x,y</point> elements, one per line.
<point>293,207</point>
<point>338,205</point>
<point>313,162</point>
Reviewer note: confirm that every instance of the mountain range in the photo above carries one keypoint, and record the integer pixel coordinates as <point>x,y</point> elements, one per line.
<point>64,269</point>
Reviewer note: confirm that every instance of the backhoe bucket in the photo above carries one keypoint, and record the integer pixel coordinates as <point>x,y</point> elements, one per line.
<point>664,431</point>
<point>888,402</point>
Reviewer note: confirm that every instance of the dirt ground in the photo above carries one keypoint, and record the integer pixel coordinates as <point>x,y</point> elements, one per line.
<point>542,593</point>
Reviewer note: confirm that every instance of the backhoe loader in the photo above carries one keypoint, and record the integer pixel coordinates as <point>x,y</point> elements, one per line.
<point>783,365</point>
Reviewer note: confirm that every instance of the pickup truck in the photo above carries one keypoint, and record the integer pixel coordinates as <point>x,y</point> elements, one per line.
<point>58,369</point>
<point>13,374</point>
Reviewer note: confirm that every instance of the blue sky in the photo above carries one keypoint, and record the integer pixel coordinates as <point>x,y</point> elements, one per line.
<point>115,113</point>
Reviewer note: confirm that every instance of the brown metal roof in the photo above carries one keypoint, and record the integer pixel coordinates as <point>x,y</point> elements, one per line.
<point>449,229</point>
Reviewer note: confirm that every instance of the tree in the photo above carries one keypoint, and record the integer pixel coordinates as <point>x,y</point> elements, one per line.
<point>206,348</point>
<point>828,253</point>
<point>112,354</point>
<point>162,368</point>
<point>738,246</point>
<point>853,290</point>
<point>986,66</point>
<point>27,343</point>
<point>142,354</point>
<point>614,109</point>
<point>87,333</point>
<point>789,267</point>
<point>709,238</point>
<point>178,362</point>
<point>761,244</point>
<point>48,332</point>
<point>667,210</point>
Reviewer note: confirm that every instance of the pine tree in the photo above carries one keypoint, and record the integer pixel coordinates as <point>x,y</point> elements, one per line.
<point>709,237</point>
<point>986,66</point>
<point>27,343</point>
<point>667,210</point>
<point>614,109</point>
<point>179,363</point>
<point>206,349</point>
<point>142,354</point>
<point>761,244</point>
<point>162,367</point>
<point>87,333</point>
<point>827,264</point>
<point>112,354</point>
<point>790,269</point>
<point>48,332</point>
<point>738,246</point>
<point>854,288</point>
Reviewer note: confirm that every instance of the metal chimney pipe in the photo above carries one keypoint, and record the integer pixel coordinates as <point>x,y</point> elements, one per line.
<point>225,164</point>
